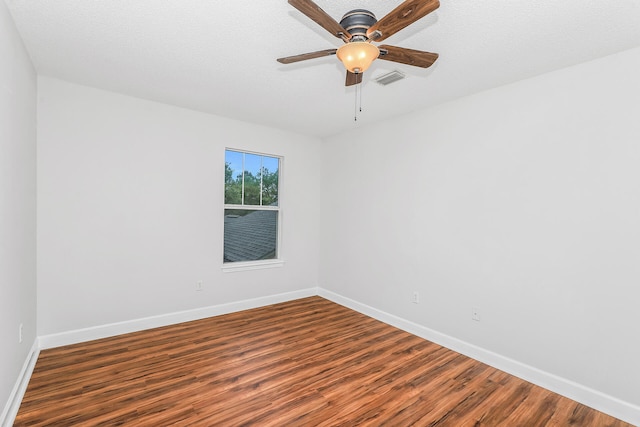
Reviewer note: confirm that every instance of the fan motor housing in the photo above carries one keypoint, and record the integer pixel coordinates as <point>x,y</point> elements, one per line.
<point>358,21</point>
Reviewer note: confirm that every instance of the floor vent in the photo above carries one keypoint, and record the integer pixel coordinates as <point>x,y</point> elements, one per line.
<point>389,78</point>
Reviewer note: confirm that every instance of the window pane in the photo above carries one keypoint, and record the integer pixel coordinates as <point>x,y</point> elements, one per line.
<point>251,179</point>
<point>233,177</point>
<point>250,235</point>
<point>270,169</point>
<point>252,163</point>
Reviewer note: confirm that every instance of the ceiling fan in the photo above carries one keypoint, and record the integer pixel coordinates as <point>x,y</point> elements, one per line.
<point>359,28</point>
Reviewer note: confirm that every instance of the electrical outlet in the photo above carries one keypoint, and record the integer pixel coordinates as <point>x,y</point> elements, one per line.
<point>199,285</point>
<point>415,298</point>
<point>475,314</point>
<point>20,334</point>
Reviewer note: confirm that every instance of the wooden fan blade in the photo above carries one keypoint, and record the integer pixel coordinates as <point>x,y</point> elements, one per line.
<point>417,58</point>
<point>407,13</point>
<point>353,78</point>
<point>321,17</point>
<point>305,56</point>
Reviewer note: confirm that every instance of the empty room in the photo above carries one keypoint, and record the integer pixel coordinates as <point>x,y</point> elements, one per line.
<point>319,213</point>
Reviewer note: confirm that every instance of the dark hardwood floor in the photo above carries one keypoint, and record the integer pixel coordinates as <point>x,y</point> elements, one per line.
<point>308,362</point>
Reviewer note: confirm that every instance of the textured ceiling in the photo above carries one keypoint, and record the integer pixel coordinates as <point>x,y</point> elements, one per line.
<point>219,56</point>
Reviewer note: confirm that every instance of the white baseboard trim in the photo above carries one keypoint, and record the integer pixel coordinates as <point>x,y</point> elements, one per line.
<point>10,411</point>
<point>615,407</point>
<point>109,330</point>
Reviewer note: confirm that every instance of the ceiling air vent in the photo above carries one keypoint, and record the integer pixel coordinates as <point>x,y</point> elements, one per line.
<point>389,78</point>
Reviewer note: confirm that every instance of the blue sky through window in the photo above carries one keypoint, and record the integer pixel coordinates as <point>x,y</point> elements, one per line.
<point>252,162</point>
<point>234,159</point>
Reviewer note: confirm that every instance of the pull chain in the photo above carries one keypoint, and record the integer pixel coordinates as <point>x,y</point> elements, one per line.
<point>360,96</point>
<point>357,107</point>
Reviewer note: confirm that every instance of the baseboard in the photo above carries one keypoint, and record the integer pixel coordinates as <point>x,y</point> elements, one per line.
<point>109,330</point>
<point>15,398</point>
<point>625,411</point>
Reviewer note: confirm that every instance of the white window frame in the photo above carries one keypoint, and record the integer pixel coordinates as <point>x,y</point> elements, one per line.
<point>258,264</point>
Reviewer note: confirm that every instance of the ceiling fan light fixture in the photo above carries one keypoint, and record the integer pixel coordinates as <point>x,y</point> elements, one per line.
<point>357,56</point>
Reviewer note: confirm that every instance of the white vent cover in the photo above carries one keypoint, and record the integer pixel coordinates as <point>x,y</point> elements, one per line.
<point>389,78</point>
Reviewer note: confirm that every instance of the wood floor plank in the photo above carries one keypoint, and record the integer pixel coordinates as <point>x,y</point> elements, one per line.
<point>308,362</point>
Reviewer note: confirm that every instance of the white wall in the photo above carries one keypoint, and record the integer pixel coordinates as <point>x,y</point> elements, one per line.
<point>130,215</point>
<point>522,201</point>
<point>17,204</point>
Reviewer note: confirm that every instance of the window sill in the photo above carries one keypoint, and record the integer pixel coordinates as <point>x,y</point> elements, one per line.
<point>251,265</point>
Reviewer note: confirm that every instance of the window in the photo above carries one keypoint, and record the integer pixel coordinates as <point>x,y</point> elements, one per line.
<point>251,206</point>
